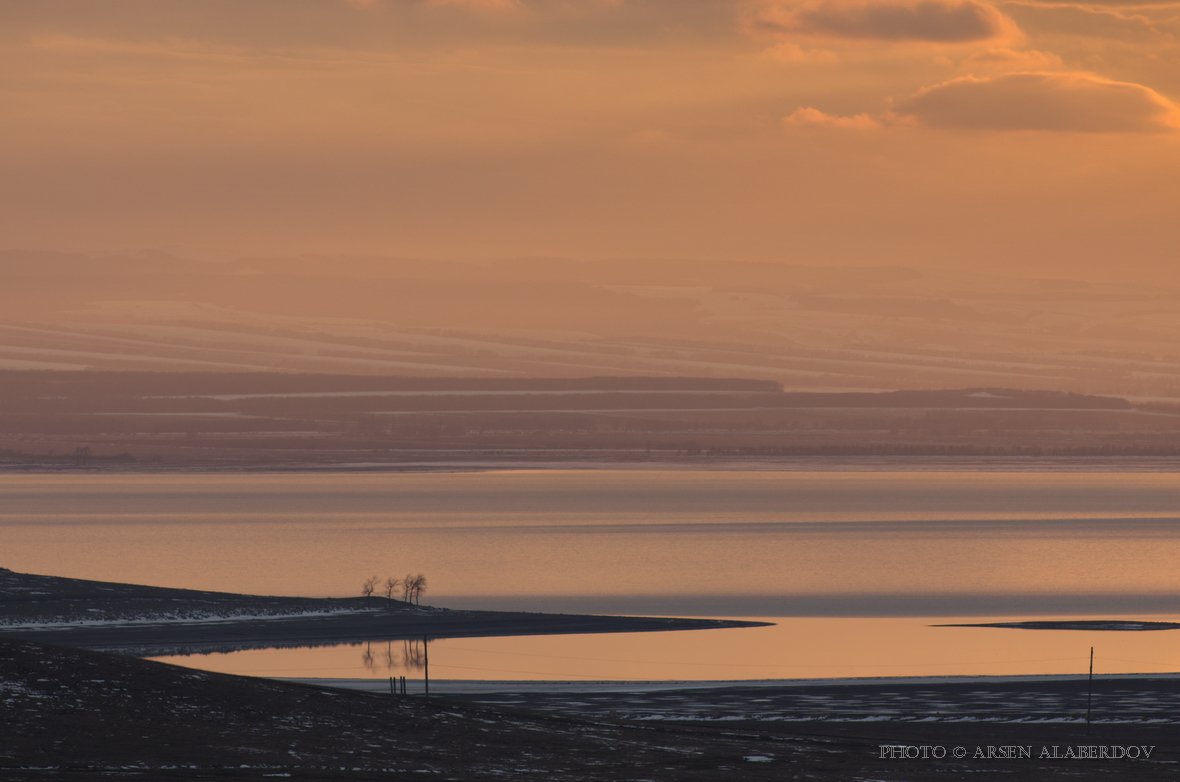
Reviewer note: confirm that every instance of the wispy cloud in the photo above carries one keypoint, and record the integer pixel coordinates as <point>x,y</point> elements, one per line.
<point>1086,21</point>
<point>1003,59</point>
<point>901,21</point>
<point>810,117</point>
<point>479,5</point>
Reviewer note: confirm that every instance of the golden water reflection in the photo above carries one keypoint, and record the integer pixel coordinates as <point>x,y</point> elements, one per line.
<point>794,648</point>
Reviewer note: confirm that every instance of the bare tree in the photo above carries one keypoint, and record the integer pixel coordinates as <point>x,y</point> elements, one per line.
<point>391,585</point>
<point>408,587</point>
<point>419,588</point>
<point>369,586</point>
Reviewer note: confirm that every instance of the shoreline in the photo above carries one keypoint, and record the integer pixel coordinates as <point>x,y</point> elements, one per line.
<point>1100,625</point>
<point>557,686</point>
<point>156,620</point>
<point>208,637</point>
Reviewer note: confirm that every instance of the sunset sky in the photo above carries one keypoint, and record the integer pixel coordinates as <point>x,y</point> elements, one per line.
<point>949,133</point>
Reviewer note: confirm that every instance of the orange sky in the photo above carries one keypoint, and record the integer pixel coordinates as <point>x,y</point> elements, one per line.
<point>950,133</point>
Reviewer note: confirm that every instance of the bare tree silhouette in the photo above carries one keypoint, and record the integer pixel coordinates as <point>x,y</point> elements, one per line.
<point>391,585</point>
<point>408,588</point>
<point>369,586</point>
<point>419,588</point>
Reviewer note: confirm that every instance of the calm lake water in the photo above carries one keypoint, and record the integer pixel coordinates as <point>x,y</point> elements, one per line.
<point>795,648</point>
<point>857,562</point>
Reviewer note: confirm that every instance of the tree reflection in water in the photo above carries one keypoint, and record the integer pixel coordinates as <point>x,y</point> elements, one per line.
<point>413,657</point>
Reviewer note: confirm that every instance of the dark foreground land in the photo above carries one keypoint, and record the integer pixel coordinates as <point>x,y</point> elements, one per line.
<point>156,620</point>
<point>79,714</point>
<point>71,714</point>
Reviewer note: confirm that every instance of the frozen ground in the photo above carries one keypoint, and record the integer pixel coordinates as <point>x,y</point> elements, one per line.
<point>70,714</point>
<point>1131,699</point>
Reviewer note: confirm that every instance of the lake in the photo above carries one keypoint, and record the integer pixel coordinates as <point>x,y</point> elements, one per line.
<point>794,648</point>
<point>853,566</point>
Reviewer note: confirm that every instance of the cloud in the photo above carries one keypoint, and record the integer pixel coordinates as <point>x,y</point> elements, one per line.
<point>933,21</point>
<point>479,5</point>
<point>1092,22</point>
<point>809,117</point>
<point>999,59</point>
<point>1070,102</point>
<point>1124,4</point>
<point>788,51</point>
<point>382,25</point>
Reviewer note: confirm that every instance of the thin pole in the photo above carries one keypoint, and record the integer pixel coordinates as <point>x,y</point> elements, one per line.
<point>391,685</point>
<point>1090,689</point>
<point>426,661</point>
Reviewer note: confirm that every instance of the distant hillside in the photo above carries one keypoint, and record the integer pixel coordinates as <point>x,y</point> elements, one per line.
<point>161,420</point>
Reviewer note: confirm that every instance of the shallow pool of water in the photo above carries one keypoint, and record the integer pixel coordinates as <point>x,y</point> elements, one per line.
<point>793,648</point>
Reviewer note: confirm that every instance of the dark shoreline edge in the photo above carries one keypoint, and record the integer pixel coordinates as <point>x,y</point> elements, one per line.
<point>158,620</point>
<point>199,638</point>
<point>1105,625</point>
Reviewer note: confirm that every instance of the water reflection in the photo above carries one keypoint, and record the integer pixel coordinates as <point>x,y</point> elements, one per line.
<point>407,655</point>
<point>795,648</point>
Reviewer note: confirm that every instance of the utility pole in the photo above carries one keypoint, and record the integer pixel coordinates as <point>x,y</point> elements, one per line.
<point>1090,689</point>
<point>426,662</point>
